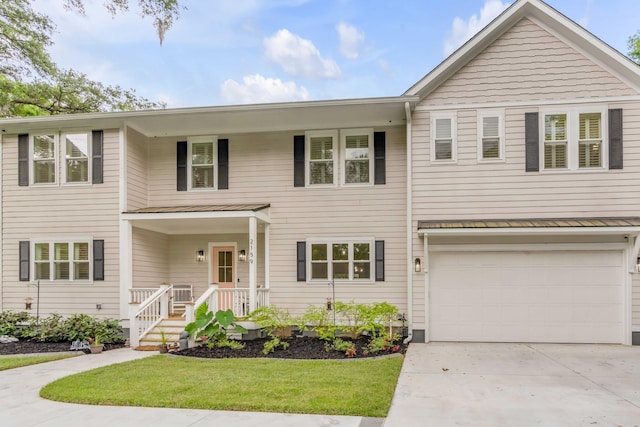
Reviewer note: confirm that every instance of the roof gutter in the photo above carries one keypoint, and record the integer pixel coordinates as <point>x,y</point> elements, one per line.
<point>407,110</point>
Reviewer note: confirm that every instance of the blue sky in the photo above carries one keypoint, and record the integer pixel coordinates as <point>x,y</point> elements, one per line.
<point>252,51</point>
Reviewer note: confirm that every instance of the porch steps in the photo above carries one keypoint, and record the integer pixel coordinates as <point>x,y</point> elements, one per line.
<point>171,328</point>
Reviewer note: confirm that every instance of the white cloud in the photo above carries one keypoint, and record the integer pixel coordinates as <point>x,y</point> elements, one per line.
<point>585,20</point>
<point>299,57</point>
<point>351,40</point>
<point>462,30</point>
<point>256,89</point>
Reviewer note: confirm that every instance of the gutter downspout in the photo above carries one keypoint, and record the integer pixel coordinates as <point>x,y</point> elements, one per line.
<point>407,110</point>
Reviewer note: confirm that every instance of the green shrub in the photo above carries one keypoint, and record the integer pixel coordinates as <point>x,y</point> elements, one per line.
<point>10,320</point>
<point>55,328</point>
<point>319,320</point>
<point>276,321</point>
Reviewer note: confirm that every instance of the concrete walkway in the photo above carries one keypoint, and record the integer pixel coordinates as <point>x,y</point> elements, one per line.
<point>20,404</point>
<point>478,384</point>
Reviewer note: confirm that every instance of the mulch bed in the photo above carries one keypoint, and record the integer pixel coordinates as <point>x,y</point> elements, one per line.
<point>28,347</point>
<point>299,348</point>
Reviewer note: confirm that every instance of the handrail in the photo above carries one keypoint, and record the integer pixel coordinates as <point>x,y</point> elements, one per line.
<point>146,315</point>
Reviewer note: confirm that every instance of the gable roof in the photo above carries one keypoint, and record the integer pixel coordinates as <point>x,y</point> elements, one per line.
<point>551,20</point>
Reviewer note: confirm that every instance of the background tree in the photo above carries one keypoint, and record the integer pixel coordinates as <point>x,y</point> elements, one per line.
<point>634,47</point>
<point>32,84</point>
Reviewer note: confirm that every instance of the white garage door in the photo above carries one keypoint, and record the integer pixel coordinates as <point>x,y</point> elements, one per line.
<point>519,296</point>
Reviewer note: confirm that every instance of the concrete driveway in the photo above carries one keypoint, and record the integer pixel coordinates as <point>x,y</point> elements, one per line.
<point>478,384</point>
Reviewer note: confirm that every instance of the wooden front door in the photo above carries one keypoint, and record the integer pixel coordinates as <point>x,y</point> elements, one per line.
<point>223,260</point>
<point>224,266</point>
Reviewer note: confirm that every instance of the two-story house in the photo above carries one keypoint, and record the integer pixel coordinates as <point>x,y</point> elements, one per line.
<point>496,200</point>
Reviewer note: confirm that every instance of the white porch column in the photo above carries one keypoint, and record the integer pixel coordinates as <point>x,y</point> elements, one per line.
<point>427,303</point>
<point>267,257</point>
<point>253,271</point>
<point>126,276</point>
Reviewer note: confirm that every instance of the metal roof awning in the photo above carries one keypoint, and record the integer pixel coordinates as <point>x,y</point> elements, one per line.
<point>202,208</point>
<point>573,225</point>
<point>199,219</point>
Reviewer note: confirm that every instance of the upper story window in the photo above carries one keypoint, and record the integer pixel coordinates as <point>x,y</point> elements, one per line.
<point>80,154</point>
<point>490,135</point>
<point>590,140</point>
<point>573,140</point>
<point>444,137</point>
<point>43,152</point>
<point>76,147</point>
<point>357,149</point>
<point>61,261</point>
<point>202,162</point>
<point>342,260</point>
<point>322,157</point>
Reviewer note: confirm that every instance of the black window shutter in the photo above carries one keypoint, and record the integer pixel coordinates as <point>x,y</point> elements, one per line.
<point>379,260</point>
<point>98,260</point>
<point>181,170</point>
<point>379,151</point>
<point>24,261</point>
<point>301,261</point>
<point>23,160</point>
<point>298,161</point>
<point>615,138</point>
<point>531,140</point>
<point>96,157</point>
<point>223,164</point>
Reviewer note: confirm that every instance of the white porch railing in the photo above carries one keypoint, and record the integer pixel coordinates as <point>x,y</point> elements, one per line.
<point>144,316</point>
<point>263,297</point>
<point>140,294</point>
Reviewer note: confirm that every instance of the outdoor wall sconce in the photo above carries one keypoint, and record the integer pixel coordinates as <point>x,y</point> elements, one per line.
<point>242,255</point>
<point>200,257</point>
<point>418,265</point>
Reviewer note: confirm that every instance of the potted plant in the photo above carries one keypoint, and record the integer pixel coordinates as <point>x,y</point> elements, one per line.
<point>163,347</point>
<point>95,345</point>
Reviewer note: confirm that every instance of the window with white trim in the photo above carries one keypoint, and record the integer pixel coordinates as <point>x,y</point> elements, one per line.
<point>490,135</point>
<point>321,159</point>
<point>61,261</point>
<point>444,137</point>
<point>76,154</point>
<point>202,157</point>
<point>340,260</point>
<point>574,139</point>
<point>357,152</point>
<point>43,155</point>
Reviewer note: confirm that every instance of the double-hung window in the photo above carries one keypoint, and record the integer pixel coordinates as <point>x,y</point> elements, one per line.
<point>357,149</point>
<point>76,149</point>
<point>202,163</point>
<point>43,153</point>
<point>555,141</point>
<point>61,261</point>
<point>322,157</point>
<point>444,137</point>
<point>490,135</point>
<point>574,139</point>
<point>590,140</point>
<point>341,260</point>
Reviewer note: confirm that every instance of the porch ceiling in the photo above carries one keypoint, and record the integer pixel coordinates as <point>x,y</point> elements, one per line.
<point>197,225</point>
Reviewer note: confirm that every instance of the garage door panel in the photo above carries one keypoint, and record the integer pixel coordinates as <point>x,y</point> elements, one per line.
<point>534,296</point>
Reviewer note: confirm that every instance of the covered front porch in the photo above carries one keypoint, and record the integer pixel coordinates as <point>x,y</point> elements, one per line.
<point>176,258</point>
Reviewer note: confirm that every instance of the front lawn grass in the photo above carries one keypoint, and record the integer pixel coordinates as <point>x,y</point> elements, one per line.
<point>353,387</point>
<point>10,362</point>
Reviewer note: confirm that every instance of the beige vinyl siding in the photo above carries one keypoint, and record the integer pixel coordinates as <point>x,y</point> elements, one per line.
<point>261,171</point>
<point>136,161</point>
<point>527,63</point>
<point>635,301</point>
<point>474,190</point>
<point>61,211</point>
<point>150,263</point>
